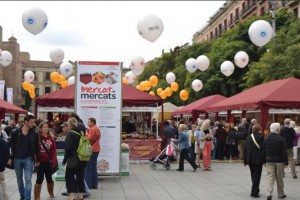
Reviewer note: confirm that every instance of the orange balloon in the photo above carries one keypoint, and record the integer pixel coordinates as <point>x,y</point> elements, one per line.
<point>184,95</point>
<point>163,94</point>
<point>61,78</point>
<point>64,84</point>
<point>174,86</point>
<point>31,88</point>
<point>138,87</point>
<point>159,90</point>
<point>54,77</point>
<point>25,85</point>
<point>169,91</point>
<point>153,80</point>
<point>124,80</point>
<point>152,93</point>
<point>147,85</point>
<point>32,95</point>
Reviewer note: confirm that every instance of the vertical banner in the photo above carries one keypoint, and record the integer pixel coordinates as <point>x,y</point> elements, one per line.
<point>2,83</point>
<point>9,92</point>
<point>98,94</point>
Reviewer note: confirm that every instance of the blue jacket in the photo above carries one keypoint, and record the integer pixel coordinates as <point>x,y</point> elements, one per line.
<point>183,140</point>
<point>4,154</point>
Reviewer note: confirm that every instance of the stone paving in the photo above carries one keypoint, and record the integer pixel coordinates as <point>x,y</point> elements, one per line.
<point>226,181</point>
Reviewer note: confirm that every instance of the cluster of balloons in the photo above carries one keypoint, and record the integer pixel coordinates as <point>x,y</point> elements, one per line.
<point>26,85</point>
<point>146,85</point>
<point>34,20</point>
<point>5,58</point>
<point>168,91</point>
<point>150,27</point>
<point>137,67</point>
<point>241,59</point>
<point>60,79</point>
<point>260,32</point>
<point>201,63</point>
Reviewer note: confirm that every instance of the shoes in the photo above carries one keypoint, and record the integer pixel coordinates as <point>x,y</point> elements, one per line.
<point>94,187</point>
<point>284,196</point>
<point>295,176</point>
<point>269,198</point>
<point>255,196</point>
<point>195,169</point>
<point>64,194</point>
<point>86,195</point>
<point>180,170</point>
<point>204,169</point>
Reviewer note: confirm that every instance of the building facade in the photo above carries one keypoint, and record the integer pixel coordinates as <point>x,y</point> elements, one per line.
<point>235,11</point>
<point>13,74</point>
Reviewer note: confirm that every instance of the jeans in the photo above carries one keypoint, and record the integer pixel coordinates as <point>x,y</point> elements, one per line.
<point>26,165</point>
<point>90,172</point>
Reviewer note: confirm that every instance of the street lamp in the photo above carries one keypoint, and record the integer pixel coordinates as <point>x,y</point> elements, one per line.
<point>273,16</point>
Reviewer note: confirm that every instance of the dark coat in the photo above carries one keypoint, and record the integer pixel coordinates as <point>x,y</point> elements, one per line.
<point>72,143</point>
<point>275,149</point>
<point>34,142</point>
<point>253,154</point>
<point>289,134</point>
<point>4,154</point>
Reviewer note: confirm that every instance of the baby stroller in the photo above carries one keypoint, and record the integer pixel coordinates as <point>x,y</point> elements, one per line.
<point>164,157</point>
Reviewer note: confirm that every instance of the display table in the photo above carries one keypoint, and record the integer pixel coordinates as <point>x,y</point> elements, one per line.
<point>143,149</point>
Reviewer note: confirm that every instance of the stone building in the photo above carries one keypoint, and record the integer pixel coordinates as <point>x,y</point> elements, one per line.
<point>234,11</point>
<point>13,74</point>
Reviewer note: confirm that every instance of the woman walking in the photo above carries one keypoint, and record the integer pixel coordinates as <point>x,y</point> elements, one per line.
<point>47,160</point>
<point>231,142</point>
<point>207,137</point>
<point>253,156</point>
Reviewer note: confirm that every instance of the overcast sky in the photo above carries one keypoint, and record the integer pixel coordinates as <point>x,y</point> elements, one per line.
<point>104,30</point>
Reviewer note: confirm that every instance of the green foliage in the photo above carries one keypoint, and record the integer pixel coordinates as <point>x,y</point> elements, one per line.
<point>278,59</point>
<point>28,102</point>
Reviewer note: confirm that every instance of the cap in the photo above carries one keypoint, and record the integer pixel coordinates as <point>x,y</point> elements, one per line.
<point>64,124</point>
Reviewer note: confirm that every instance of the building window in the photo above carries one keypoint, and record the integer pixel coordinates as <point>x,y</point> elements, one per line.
<point>262,11</point>
<point>47,76</point>
<point>211,35</point>
<point>47,90</point>
<point>295,11</point>
<point>216,32</point>
<point>225,24</point>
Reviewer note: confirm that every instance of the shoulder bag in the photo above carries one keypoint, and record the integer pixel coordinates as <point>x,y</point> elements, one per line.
<point>54,168</point>
<point>253,138</point>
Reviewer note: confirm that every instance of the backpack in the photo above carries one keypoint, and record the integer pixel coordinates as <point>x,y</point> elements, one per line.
<point>84,149</point>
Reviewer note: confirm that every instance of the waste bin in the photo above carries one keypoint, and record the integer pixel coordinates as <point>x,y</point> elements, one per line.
<point>60,174</point>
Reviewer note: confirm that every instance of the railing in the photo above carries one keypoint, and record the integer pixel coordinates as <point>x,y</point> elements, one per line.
<point>236,18</point>
<point>230,23</point>
<point>247,8</point>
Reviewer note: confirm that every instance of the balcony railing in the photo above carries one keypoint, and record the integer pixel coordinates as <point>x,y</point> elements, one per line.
<point>230,23</point>
<point>236,18</point>
<point>248,8</point>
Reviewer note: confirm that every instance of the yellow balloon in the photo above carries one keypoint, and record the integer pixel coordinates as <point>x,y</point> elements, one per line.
<point>61,78</point>
<point>54,77</point>
<point>184,95</point>
<point>169,91</point>
<point>138,87</point>
<point>163,94</point>
<point>31,88</point>
<point>142,85</point>
<point>152,93</point>
<point>25,85</point>
<point>153,80</point>
<point>64,84</point>
<point>159,90</point>
<point>174,86</point>
<point>124,80</point>
<point>147,85</point>
<point>32,94</point>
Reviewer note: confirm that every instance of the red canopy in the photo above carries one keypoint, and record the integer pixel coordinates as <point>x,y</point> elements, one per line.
<point>10,108</point>
<point>275,94</point>
<point>199,106</point>
<point>65,97</point>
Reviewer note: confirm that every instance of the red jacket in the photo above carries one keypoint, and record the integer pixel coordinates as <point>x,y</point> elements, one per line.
<point>49,143</point>
<point>94,135</point>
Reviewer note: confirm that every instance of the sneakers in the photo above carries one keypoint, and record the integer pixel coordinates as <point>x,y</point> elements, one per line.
<point>283,196</point>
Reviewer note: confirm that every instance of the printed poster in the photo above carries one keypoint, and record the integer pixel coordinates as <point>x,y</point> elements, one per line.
<point>2,83</point>
<point>98,94</point>
<point>9,92</point>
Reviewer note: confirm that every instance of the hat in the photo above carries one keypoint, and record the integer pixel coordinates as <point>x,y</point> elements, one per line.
<point>64,124</point>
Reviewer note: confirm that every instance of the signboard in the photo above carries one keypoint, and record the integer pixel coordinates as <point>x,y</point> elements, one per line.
<point>143,149</point>
<point>9,92</point>
<point>140,109</point>
<point>2,83</point>
<point>98,94</point>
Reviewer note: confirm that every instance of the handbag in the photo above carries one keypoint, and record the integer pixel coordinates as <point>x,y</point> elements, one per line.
<point>12,164</point>
<point>54,168</point>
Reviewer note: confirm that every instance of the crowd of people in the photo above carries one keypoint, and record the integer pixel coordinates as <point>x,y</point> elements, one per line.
<point>31,148</point>
<point>245,142</point>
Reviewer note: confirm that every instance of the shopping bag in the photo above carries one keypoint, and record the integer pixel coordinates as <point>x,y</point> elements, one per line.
<point>169,150</point>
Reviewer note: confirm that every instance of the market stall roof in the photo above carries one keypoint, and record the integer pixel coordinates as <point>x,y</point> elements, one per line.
<point>200,105</point>
<point>65,97</point>
<point>275,94</point>
<point>10,108</point>
<point>168,107</point>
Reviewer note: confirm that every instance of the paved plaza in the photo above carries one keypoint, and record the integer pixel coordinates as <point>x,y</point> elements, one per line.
<point>226,181</point>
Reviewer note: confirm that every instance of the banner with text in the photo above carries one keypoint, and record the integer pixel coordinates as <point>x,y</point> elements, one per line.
<point>9,92</point>
<point>143,149</point>
<point>2,83</point>
<point>99,95</point>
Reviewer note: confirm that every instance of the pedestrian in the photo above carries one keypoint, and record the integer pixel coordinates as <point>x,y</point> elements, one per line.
<point>183,140</point>
<point>169,132</point>
<point>221,136</point>
<point>207,138</point>
<point>198,143</point>
<point>289,134</point>
<point>231,141</point>
<point>94,135</point>
<point>192,143</point>
<point>4,157</point>
<point>242,132</point>
<point>47,160</point>
<point>253,156</point>
<point>77,167</point>
<point>25,147</point>
<point>275,156</point>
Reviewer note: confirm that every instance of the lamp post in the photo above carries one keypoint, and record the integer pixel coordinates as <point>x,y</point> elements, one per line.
<point>273,17</point>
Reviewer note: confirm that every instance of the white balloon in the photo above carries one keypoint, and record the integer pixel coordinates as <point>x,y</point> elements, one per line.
<point>150,27</point>
<point>241,59</point>
<point>137,65</point>
<point>29,76</point>
<point>57,55</point>
<point>130,77</point>
<point>170,77</point>
<point>34,20</point>
<point>202,63</point>
<point>260,32</point>
<point>190,65</point>
<point>71,80</point>
<point>5,58</point>
<point>197,85</point>
<point>227,68</point>
<point>66,69</point>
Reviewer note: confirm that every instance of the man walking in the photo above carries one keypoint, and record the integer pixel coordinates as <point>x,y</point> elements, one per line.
<point>93,134</point>
<point>25,147</point>
<point>275,156</point>
<point>4,156</point>
<point>243,133</point>
<point>289,134</point>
